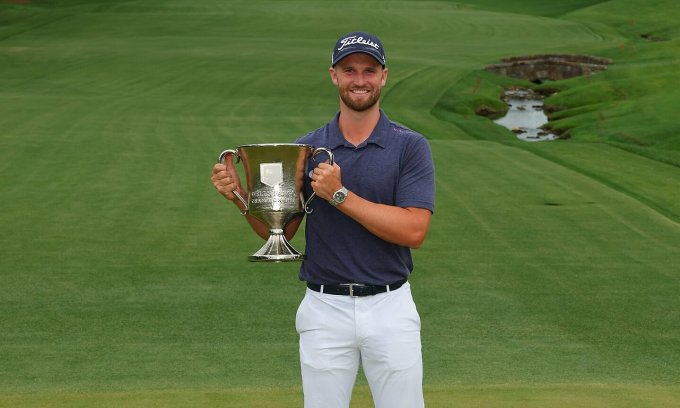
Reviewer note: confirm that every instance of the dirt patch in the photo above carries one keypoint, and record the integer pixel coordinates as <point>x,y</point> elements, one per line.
<point>652,37</point>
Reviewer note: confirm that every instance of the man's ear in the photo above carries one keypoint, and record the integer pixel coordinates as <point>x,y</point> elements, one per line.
<point>334,76</point>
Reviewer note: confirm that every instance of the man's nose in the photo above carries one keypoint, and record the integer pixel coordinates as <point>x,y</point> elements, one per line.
<point>359,78</point>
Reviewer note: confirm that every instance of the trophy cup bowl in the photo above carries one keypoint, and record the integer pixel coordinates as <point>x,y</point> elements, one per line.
<point>274,175</point>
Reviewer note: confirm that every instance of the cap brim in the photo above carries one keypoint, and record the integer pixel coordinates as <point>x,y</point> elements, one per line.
<point>375,55</point>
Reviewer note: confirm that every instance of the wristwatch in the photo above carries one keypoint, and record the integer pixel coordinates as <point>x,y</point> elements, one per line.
<point>339,196</point>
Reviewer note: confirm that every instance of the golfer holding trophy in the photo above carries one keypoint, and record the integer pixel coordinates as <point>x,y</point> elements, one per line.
<point>368,204</point>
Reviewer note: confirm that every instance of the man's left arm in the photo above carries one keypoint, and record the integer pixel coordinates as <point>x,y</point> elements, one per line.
<point>405,226</point>
<point>402,226</point>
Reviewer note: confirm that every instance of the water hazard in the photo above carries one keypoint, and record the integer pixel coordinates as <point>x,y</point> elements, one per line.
<point>525,115</point>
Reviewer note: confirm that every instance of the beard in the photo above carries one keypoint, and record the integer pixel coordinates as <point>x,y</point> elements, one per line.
<point>360,105</point>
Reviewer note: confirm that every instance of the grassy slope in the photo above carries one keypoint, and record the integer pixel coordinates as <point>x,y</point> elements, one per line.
<point>550,263</point>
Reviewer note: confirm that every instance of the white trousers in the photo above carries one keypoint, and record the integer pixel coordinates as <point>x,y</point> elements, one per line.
<point>381,332</point>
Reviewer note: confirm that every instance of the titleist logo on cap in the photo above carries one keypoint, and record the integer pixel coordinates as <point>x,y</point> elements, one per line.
<point>356,40</point>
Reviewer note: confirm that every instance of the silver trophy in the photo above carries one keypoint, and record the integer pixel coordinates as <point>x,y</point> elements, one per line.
<point>274,179</point>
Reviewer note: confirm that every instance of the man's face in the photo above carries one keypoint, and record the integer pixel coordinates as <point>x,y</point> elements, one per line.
<point>359,78</point>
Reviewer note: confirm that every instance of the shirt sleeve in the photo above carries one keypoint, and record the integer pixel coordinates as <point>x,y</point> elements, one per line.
<point>416,182</point>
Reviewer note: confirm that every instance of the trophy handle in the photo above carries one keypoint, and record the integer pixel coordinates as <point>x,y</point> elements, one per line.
<point>221,160</point>
<point>331,160</point>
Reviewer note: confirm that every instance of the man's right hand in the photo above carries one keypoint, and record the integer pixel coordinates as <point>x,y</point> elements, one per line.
<point>225,179</point>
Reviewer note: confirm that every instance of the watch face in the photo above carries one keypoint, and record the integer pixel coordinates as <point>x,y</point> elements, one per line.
<point>339,196</point>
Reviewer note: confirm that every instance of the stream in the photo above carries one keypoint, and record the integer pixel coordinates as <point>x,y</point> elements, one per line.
<point>525,115</point>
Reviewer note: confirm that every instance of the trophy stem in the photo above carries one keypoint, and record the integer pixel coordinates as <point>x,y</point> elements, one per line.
<point>276,249</point>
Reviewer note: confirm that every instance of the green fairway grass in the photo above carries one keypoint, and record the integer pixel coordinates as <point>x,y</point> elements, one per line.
<point>488,396</point>
<point>550,273</point>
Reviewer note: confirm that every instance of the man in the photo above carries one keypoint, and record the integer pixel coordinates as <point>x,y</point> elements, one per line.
<point>374,204</point>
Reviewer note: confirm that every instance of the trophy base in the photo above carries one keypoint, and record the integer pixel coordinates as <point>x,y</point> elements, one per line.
<point>276,249</point>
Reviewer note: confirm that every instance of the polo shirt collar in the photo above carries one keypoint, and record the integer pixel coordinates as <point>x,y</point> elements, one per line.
<point>377,137</point>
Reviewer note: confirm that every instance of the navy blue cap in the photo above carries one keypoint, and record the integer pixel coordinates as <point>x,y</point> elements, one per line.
<point>358,42</point>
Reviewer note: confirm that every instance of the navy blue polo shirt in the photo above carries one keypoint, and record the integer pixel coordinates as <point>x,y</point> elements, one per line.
<point>394,167</point>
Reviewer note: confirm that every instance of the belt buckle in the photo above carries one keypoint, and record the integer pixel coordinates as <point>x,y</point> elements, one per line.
<point>351,288</point>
